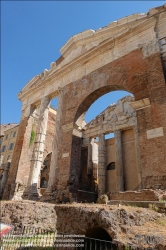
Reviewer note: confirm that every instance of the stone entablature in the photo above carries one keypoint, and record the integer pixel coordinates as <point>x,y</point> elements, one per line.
<point>90,50</point>
<point>118,116</point>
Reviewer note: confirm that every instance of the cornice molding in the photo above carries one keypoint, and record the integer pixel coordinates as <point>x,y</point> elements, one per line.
<point>102,41</point>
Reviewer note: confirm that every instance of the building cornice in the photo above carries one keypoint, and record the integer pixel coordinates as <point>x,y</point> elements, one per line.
<point>104,41</point>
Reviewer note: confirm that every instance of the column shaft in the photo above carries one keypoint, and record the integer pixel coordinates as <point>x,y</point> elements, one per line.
<point>137,156</point>
<point>119,164</point>
<point>4,178</point>
<point>101,165</point>
<point>54,158</point>
<point>89,163</point>
<point>38,151</point>
<point>95,161</point>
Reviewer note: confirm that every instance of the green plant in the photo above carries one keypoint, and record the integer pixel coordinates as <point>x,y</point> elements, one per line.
<point>130,205</point>
<point>153,207</point>
<point>161,200</point>
<point>156,209</point>
<point>32,138</point>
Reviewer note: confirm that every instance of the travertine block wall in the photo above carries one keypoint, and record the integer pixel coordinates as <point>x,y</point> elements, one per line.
<point>130,171</point>
<point>129,160</point>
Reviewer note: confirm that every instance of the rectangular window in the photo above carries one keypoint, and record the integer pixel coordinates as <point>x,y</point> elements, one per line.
<point>14,134</point>
<point>3,149</point>
<point>11,146</point>
<point>6,137</point>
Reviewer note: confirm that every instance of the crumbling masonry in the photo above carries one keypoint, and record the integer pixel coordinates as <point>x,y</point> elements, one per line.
<point>129,55</point>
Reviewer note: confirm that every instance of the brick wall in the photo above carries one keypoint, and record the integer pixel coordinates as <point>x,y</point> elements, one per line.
<point>20,165</point>
<point>143,78</point>
<point>20,157</point>
<point>143,195</point>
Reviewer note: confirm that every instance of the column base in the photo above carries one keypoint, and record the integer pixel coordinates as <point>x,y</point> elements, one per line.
<point>47,196</point>
<point>31,195</point>
<point>34,197</point>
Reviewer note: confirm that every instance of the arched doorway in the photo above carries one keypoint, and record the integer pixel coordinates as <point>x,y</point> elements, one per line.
<point>98,233</point>
<point>117,113</point>
<point>98,238</point>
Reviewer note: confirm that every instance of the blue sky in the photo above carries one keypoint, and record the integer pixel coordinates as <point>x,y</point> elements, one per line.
<point>32,32</point>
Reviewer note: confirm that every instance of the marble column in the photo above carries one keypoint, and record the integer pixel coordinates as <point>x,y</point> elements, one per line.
<point>135,128</point>
<point>95,161</point>
<point>38,151</point>
<point>89,162</point>
<point>4,178</point>
<point>101,165</point>
<point>54,158</point>
<point>119,164</point>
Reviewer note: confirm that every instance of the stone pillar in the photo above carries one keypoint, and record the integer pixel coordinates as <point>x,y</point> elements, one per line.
<point>32,190</point>
<point>95,161</point>
<point>89,163</point>
<point>4,178</point>
<point>119,165</point>
<point>20,162</point>
<point>54,158</point>
<point>135,128</point>
<point>101,165</point>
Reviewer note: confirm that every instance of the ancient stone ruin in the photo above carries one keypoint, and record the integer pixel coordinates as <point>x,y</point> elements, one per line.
<point>128,54</point>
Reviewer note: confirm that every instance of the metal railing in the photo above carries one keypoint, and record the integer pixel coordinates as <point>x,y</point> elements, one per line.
<point>28,238</point>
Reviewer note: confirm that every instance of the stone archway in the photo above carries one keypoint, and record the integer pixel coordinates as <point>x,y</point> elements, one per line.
<point>127,73</point>
<point>123,56</point>
<point>130,73</point>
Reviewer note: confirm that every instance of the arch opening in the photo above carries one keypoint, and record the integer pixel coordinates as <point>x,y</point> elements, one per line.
<point>94,98</point>
<point>113,117</point>
<point>98,233</point>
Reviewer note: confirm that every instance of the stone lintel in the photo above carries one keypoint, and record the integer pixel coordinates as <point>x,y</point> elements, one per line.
<point>141,104</point>
<point>77,133</point>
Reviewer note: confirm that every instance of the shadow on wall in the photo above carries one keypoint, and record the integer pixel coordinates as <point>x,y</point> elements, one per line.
<point>98,233</point>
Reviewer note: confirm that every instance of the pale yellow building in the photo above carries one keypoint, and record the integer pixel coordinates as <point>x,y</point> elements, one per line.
<point>8,143</point>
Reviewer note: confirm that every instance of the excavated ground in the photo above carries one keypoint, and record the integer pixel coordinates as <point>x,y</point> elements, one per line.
<point>137,226</point>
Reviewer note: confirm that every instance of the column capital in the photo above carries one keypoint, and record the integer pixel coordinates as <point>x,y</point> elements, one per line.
<point>117,133</point>
<point>60,91</point>
<point>135,128</point>
<point>45,102</point>
<point>26,111</point>
<point>101,136</point>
